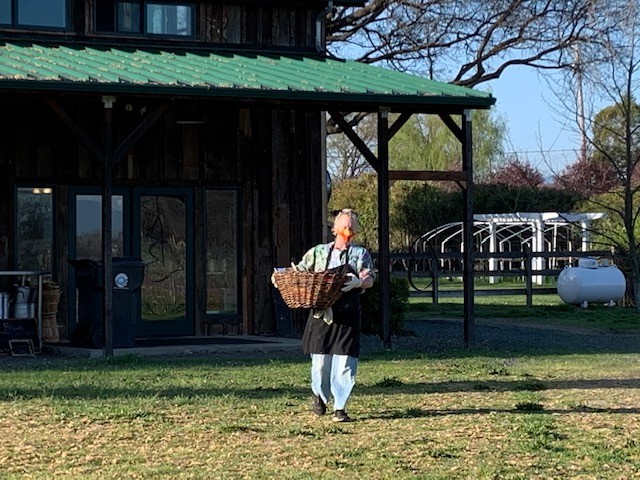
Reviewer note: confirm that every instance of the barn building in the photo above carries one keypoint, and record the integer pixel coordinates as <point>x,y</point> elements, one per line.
<point>203,122</point>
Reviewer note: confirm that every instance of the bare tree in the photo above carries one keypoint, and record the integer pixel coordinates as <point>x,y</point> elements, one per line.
<point>468,42</point>
<point>613,132</point>
<point>464,42</point>
<point>344,160</point>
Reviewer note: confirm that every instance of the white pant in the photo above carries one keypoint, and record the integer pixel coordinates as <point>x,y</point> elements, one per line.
<point>333,375</point>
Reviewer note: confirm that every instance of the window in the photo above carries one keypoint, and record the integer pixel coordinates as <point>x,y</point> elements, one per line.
<point>5,12</point>
<point>88,240</point>
<point>128,15</point>
<point>34,13</point>
<point>222,252</point>
<point>145,17</point>
<point>34,232</point>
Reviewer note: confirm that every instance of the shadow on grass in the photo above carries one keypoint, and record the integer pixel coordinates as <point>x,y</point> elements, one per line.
<point>444,338</point>
<point>64,364</point>
<point>420,413</point>
<point>421,388</point>
<point>89,392</point>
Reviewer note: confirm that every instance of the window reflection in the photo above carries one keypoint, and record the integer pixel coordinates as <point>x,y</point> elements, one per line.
<point>34,242</point>
<point>222,252</point>
<point>89,226</point>
<point>168,19</point>
<point>128,16</point>
<point>5,12</point>
<point>42,13</point>
<point>164,252</point>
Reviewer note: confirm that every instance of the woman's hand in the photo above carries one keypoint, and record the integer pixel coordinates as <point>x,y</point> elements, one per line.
<point>353,282</point>
<point>367,280</point>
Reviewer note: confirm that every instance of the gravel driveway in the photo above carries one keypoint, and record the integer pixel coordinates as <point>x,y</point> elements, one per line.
<point>437,335</point>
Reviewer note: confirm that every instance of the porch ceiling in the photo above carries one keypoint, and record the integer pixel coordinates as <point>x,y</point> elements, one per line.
<point>325,82</point>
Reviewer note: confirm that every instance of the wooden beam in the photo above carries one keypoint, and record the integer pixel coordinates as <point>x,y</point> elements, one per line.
<point>397,125</point>
<point>138,132</point>
<point>453,126</point>
<point>96,151</point>
<point>355,139</point>
<point>424,175</point>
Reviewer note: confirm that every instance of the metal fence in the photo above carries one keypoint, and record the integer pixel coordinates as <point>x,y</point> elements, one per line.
<point>530,267</point>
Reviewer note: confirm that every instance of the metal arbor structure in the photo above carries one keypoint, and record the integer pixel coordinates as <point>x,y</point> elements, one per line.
<point>509,232</point>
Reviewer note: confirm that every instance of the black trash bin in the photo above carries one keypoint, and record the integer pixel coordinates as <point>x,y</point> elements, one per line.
<point>284,322</point>
<point>127,274</point>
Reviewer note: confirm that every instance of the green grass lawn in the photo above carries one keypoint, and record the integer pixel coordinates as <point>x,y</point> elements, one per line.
<point>459,414</point>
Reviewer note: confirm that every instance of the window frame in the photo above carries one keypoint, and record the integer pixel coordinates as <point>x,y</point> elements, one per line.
<point>143,33</point>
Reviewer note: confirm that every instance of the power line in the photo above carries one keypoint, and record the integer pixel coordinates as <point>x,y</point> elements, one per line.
<point>557,150</point>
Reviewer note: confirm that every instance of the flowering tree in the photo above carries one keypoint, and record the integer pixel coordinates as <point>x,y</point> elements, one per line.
<point>588,177</point>
<point>516,173</point>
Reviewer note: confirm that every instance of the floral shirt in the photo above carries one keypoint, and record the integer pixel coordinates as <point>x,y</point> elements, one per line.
<point>316,259</point>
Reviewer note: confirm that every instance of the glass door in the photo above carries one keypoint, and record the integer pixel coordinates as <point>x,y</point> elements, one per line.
<point>85,233</point>
<point>164,222</point>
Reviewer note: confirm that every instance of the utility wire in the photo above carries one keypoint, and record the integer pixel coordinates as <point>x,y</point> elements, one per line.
<point>559,150</point>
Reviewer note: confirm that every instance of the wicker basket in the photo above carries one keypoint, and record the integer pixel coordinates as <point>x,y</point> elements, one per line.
<point>309,289</point>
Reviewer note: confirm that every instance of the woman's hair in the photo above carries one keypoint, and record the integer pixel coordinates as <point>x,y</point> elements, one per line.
<point>348,213</point>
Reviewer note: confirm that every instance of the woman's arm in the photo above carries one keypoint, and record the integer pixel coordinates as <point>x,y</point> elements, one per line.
<point>367,279</point>
<point>365,273</point>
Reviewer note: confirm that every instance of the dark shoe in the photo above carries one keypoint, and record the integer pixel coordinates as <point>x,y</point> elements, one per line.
<point>319,407</point>
<point>340,416</point>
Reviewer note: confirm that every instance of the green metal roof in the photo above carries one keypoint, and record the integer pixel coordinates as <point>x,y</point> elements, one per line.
<point>239,75</point>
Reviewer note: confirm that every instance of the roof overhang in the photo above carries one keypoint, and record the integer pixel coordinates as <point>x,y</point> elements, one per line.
<point>312,80</point>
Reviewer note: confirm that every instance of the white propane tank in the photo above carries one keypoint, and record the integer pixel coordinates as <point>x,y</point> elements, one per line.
<point>590,282</point>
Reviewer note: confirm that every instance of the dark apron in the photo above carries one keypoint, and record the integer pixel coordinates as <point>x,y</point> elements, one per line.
<point>342,337</point>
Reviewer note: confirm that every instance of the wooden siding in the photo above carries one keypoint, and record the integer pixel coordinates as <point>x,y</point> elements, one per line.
<point>258,26</point>
<point>273,156</point>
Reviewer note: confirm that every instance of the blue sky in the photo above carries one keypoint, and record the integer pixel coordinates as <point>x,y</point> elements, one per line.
<point>536,132</point>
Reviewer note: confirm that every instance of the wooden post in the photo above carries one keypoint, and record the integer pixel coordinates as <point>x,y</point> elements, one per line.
<point>434,281</point>
<point>528,268</point>
<point>107,254</point>
<point>383,226</point>
<point>468,277</point>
